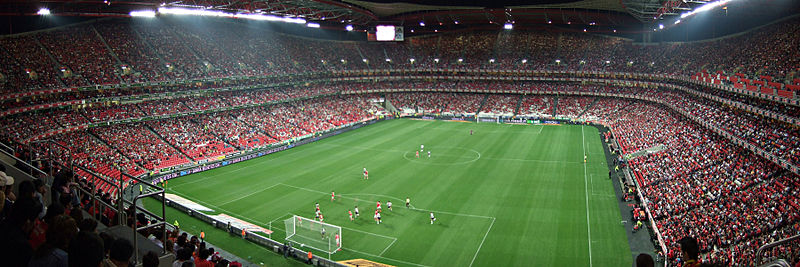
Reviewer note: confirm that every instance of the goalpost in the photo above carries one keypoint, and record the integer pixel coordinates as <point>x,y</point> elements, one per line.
<point>311,233</point>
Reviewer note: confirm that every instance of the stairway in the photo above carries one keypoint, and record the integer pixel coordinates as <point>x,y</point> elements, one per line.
<point>166,142</point>
<point>483,102</point>
<point>589,107</point>
<point>555,105</point>
<point>56,64</point>
<point>519,104</point>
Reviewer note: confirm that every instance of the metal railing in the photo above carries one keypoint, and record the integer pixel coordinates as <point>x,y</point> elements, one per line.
<point>763,249</point>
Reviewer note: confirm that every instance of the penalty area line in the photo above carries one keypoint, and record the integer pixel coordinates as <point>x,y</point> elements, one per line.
<point>382,257</point>
<point>481,245</point>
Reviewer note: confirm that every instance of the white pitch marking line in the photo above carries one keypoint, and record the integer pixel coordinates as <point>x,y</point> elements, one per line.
<point>377,256</point>
<point>228,172</point>
<point>253,193</point>
<point>586,191</point>
<point>481,245</point>
<point>387,247</point>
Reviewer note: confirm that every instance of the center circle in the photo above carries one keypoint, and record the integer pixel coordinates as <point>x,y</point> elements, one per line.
<point>452,155</point>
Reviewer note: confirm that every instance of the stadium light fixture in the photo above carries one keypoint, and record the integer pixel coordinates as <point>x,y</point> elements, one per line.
<point>388,60</point>
<point>660,26</point>
<point>349,28</point>
<point>584,29</point>
<point>460,60</point>
<point>312,25</point>
<point>343,61</point>
<point>143,14</point>
<point>677,21</point>
<point>43,11</point>
<point>508,26</point>
<point>558,61</point>
<point>608,61</point>
<point>411,60</point>
<point>549,21</point>
<point>456,22</point>
<point>422,23</point>
<point>491,60</point>
<point>364,60</point>
<point>524,61</point>
<point>436,60</point>
<point>615,30</point>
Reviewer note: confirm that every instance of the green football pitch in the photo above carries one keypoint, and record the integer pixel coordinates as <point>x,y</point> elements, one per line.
<point>508,195</point>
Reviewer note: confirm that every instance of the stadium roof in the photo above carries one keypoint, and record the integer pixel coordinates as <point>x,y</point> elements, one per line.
<point>418,15</point>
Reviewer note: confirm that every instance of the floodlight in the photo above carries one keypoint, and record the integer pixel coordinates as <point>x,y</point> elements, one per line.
<point>143,13</point>
<point>312,25</point>
<point>524,61</point>
<point>349,28</point>
<point>558,61</point>
<point>422,23</point>
<point>460,60</point>
<point>491,60</point>
<point>508,26</point>
<point>43,11</point>
<point>411,59</point>
<point>660,26</point>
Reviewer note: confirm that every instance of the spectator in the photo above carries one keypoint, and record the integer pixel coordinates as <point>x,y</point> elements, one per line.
<point>202,259</point>
<point>41,190</point>
<point>53,253</point>
<point>644,260</point>
<point>15,250</point>
<point>184,255</point>
<point>86,250</point>
<point>150,259</point>
<point>121,252</point>
<point>689,252</point>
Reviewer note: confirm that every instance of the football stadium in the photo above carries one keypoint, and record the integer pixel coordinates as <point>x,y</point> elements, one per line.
<point>400,133</point>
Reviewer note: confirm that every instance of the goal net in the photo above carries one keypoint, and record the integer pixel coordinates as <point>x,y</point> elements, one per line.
<point>311,233</point>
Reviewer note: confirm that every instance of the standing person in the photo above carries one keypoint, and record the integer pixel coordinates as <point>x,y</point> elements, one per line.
<point>366,174</point>
<point>433,218</point>
<point>422,148</point>
<point>389,204</point>
<point>690,252</point>
<point>470,131</point>
<point>378,206</point>
<point>316,205</point>
<point>408,202</point>
<point>323,232</point>
<point>356,211</point>
<point>429,154</point>
<point>350,213</point>
<point>379,217</point>
<point>417,154</point>
<point>375,217</point>
<point>338,241</point>
<point>333,196</point>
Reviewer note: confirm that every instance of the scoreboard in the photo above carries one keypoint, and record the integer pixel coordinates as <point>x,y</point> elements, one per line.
<point>386,33</point>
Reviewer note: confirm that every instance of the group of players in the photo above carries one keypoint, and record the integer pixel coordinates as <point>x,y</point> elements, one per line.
<point>377,216</point>
<point>353,216</point>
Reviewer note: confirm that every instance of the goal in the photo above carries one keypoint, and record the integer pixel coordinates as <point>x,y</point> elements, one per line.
<point>309,233</point>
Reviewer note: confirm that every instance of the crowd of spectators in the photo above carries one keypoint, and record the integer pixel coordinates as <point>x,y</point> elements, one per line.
<point>730,199</point>
<point>118,50</point>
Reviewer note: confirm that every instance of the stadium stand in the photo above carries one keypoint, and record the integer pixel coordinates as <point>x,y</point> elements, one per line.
<point>732,200</point>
